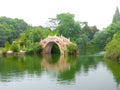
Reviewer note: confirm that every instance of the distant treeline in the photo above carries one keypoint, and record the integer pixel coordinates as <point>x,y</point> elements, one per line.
<point>81,33</point>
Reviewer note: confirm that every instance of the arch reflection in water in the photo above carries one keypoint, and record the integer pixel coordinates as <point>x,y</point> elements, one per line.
<point>64,68</point>
<point>55,63</point>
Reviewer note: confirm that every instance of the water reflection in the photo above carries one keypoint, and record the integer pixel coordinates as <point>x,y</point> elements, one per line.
<point>16,67</point>
<point>114,67</point>
<point>55,63</point>
<point>63,69</point>
<point>90,62</point>
<point>66,68</point>
<point>86,72</point>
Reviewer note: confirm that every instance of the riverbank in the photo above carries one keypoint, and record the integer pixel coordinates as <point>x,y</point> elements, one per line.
<point>11,53</point>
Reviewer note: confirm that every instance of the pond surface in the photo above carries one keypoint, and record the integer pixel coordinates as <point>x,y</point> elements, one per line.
<point>85,72</point>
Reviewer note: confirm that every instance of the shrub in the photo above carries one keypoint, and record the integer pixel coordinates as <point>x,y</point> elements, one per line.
<point>113,50</point>
<point>7,45</point>
<point>72,48</point>
<point>29,51</point>
<point>34,48</point>
<point>14,47</point>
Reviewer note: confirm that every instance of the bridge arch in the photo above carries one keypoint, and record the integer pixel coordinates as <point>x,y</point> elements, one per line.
<point>47,44</point>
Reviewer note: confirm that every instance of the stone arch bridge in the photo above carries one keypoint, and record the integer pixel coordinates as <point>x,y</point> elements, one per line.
<point>47,44</point>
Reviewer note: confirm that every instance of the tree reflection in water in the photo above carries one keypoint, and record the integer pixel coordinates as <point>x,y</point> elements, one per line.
<point>66,68</point>
<point>63,68</point>
<point>17,67</point>
<point>114,67</point>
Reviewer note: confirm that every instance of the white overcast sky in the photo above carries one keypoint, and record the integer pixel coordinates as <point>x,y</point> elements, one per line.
<point>37,12</point>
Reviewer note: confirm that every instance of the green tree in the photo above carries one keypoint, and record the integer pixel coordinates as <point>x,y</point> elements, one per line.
<point>83,41</point>
<point>10,29</point>
<point>5,34</point>
<point>116,36</point>
<point>101,38</point>
<point>29,40</point>
<point>114,27</point>
<point>65,24</point>
<point>88,30</point>
<point>113,48</point>
<point>116,17</point>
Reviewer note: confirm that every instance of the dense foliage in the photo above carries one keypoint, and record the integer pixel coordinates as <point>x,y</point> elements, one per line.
<point>7,46</point>
<point>65,25</point>
<point>101,38</point>
<point>85,36</point>
<point>72,48</point>
<point>78,32</point>
<point>11,29</point>
<point>15,47</point>
<point>113,48</point>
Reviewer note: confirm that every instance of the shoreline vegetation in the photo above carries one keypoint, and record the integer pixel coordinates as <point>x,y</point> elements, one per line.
<point>15,49</point>
<point>17,36</point>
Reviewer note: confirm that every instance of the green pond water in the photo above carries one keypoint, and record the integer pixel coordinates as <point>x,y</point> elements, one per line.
<point>84,72</point>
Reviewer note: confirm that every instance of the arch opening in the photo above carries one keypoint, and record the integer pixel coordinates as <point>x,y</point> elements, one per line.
<point>52,48</point>
<point>55,49</point>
